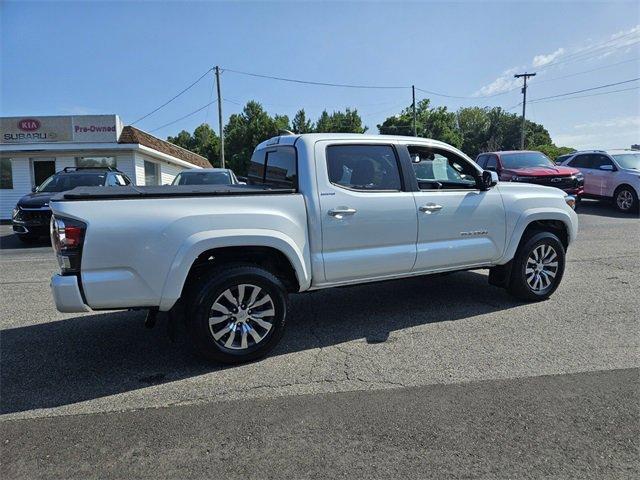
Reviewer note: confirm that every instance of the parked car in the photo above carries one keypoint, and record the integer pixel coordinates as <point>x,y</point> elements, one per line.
<point>322,210</point>
<point>31,215</point>
<point>532,167</point>
<point>562,158</point>
<point>206,176</point>
<point>612,175</point>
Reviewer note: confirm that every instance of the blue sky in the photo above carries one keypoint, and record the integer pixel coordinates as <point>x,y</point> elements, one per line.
<point>128,58</point>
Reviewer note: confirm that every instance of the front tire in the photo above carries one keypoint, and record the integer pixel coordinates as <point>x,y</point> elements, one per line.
<point>238,314</point>
<point>626,199</point>
<point>538,267</point>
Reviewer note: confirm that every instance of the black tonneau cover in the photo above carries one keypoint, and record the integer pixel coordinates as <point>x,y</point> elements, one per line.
<point>132,192</point>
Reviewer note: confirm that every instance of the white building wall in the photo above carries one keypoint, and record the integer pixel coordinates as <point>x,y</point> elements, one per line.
<point>139,170</point>
<point>126,164</point>
<point>21,170</point>
<point>168,172</point>
<point>129,162</point>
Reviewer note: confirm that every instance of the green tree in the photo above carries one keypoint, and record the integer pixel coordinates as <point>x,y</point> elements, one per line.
<point>204,141</point>
<point>300,123</point>
<point>246,130</point>
<point>348,121</point>
<point>437,123</point>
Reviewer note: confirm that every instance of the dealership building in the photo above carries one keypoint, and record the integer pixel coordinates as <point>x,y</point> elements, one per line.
<point>33,148</point>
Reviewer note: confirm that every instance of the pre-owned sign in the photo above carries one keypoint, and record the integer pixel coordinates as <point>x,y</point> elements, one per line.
<point>73,128</point>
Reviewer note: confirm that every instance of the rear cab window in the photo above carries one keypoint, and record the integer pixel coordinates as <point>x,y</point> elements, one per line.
<point>274,167</point>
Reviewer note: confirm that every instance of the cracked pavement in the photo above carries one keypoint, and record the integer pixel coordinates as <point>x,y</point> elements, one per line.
<point>427,340</point>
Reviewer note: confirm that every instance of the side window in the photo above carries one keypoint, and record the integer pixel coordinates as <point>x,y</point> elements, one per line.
<point>364,167</point>
<point>112,181</point>
<point>492,163</point>
<point>437,168</point>
<point>275,168</point>
<point>481,160</point>
<point>580,161</point>
<point>600,160</point>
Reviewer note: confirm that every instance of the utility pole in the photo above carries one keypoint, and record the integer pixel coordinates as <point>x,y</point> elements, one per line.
<point>220,116</point>
<point>524,75</point>
<point>413,92</point>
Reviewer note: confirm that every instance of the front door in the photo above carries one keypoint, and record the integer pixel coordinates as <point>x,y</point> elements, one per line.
<point>42,169</point>
<point>459,225</point>
<point>369,224</point>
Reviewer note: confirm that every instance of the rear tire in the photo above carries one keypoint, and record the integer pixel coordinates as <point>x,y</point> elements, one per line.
<point>238,314</point>
<point>625,199</point>
<point>538,267</point>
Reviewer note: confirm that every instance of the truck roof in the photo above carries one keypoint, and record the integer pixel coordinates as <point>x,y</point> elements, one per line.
<point>315,137</point>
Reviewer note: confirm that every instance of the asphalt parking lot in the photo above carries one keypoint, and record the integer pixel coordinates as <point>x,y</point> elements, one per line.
<point>423,378</point>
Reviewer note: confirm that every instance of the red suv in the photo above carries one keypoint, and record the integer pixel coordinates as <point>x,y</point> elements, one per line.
<point>532,167</point>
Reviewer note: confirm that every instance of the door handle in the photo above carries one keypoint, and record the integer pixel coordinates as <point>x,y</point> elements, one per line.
<point>430,207</point>
<point>340,212</point>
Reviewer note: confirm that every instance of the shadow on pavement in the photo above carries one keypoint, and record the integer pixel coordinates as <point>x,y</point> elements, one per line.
<point>602,208</point>
<point>87,357</point>
<point>10,241</point>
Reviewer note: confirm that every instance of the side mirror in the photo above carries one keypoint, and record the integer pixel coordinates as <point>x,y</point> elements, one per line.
<point>33,189</point>
<point>606,168</point>
<point>488,179</point>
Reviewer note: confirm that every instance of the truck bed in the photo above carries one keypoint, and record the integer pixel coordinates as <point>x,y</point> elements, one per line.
<point>132,191</point>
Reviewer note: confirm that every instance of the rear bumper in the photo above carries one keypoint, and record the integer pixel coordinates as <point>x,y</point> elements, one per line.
<point>66,294</point>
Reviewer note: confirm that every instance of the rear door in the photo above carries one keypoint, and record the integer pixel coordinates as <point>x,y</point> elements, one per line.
<point>584,163</point>
<point>368,217</point>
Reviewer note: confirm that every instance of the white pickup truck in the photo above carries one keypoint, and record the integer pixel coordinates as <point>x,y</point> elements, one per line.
<point>320,210</point>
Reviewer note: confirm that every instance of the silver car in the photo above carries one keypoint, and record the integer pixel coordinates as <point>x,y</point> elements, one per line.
<point>612,175</point>
<point>206,176</point>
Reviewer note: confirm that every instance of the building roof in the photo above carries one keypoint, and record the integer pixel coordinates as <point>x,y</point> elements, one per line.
<point>133,135</point>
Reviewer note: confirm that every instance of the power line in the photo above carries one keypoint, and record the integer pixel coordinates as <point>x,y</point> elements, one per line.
<point>538,82</point>
<point>585,96</point>
<point>585,90</point>
<point>323,84</point>
<point>172,98</point>
<point>589,52</point>
<point>185,116</point>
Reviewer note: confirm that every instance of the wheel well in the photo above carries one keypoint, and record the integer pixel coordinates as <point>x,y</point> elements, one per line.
<point>624,185</point>
<point>269,258</point>
<point>557,227</point>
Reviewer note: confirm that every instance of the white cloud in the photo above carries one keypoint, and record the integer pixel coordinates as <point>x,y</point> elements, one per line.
<point>617,132</point>
<point>503,83</point>
<point>540,60</point>
<point>620,122</point>
<point>589,51</point>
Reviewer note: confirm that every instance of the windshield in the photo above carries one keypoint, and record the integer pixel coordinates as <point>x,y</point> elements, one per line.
<point>203,178</point>
<point>525,160</point>
<point>69,181</point>
<point>628,160</point>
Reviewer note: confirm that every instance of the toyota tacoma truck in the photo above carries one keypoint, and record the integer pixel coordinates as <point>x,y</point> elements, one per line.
<point>318,211</point>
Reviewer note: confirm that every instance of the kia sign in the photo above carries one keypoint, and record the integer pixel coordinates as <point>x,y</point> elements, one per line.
<point>73,128</point>
<point>29,125</point>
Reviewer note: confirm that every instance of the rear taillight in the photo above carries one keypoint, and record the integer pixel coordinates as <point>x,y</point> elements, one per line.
<point>67,237</point>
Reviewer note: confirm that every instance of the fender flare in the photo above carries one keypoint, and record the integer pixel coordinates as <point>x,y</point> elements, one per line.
<point>570,220</point>
<point>200,242</point>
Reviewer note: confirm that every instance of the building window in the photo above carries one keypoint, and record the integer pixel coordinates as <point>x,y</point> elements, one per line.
<point>96,162</point>
<point>150,173</point>
<point>6,174</point>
